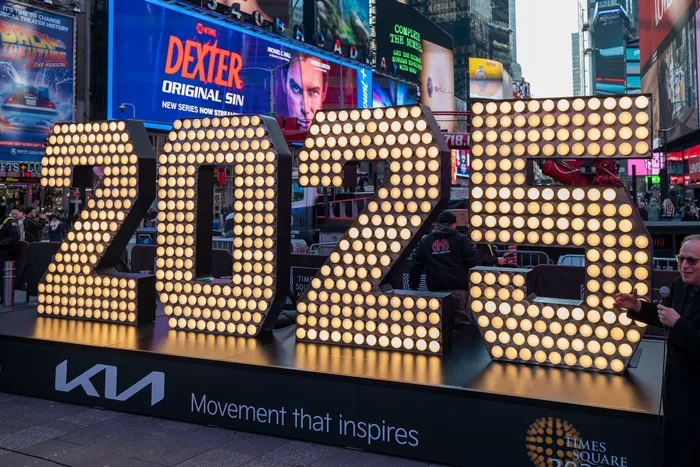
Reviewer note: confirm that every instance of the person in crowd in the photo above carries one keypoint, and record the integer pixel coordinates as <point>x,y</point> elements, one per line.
<point>57,229</point>
<point>689,211</point>
<point>18,217</point>
<point>9,238</point>
<point>680,315</point>
<point>446,255</point>
<point>668,210</point>
<point>34,225</point>
<point>654,210</point>
<point>642,208</point>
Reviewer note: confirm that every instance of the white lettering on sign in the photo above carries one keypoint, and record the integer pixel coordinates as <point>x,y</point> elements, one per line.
<point>155,379</point>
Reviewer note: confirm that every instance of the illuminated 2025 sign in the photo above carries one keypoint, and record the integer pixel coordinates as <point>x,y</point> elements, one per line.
<point>346,303</point>
<point>504,207</point>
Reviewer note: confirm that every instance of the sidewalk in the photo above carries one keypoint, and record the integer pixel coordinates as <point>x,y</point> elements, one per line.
<point>36,432</point>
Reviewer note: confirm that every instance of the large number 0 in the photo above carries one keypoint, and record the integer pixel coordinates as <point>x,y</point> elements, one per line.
<point>261,161</point>
<point>80,281</point>
<point>344,303</point>
<point>585,334</point>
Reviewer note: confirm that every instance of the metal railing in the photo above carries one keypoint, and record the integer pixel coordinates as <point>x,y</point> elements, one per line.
<point>345,209</point>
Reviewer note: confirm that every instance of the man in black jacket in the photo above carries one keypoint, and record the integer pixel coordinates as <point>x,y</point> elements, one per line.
<point>681,315</point>
<point>447,255</point>
<point>33,225</point>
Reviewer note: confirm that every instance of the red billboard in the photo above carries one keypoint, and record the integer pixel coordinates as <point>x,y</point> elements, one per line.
<point>657,18</point>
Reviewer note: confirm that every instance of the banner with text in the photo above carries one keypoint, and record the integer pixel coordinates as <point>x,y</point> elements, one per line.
<point>36,78</point>
<point>170,63</point>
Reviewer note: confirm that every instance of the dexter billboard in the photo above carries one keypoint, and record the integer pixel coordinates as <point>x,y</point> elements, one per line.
<point>36,78</point>
<point>173,63</point>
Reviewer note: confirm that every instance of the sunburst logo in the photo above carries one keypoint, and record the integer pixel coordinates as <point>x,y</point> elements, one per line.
<point>546,442</point>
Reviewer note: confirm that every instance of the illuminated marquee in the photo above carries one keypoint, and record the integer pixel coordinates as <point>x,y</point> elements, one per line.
<point>252,299</point>
<point>344,303</point>
<point>504,208</point>
<point>76,284</point>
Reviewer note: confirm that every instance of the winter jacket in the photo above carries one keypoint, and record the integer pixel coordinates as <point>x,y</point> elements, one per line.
<point>446,255</point>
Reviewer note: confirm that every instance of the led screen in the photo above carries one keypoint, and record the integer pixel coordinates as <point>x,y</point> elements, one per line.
<point>387,92</point>
<point>171,64</point>
<point>36,78</point>
<point>412,47</point>
<point>608,40</point>
<point>672,78</point>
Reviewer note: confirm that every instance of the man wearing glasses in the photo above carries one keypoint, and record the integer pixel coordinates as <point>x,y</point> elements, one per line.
<point>681,396</point>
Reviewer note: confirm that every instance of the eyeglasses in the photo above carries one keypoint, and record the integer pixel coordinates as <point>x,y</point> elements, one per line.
<point>691,261</point>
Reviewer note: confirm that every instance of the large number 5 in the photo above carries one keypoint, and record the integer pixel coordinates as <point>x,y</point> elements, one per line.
<point>504,207</point>
<point>80,281</point>
<point>344,303</point>
<point>252,299</point>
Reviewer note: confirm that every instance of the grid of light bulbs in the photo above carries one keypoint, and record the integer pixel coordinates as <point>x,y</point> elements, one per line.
<point>241,307</point>
<point>71,287</point>
<point>505,209</point>
<point>343,304</point>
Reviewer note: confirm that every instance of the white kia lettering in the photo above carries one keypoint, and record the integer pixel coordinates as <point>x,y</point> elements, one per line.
<point>155,379</point>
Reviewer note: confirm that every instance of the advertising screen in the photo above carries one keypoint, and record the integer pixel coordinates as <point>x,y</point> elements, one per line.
<point>672,79</point>
<point>387,92</point>
<point>633,81</point>
<point>268,9</point>
<point>36,78</point>
<point>346,20</point>
<point>657,18</point>
<point>609,45</point>
<point>170,63</point>
<point>486,79</point>
<point>414,48</point>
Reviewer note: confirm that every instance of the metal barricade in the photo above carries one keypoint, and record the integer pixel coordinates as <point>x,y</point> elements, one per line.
<point>526,258</point>
<point>323,249</point>
<point>572,260</point>
<point>664,263</point>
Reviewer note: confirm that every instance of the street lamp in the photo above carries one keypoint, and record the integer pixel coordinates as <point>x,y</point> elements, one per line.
<point>124,105</point>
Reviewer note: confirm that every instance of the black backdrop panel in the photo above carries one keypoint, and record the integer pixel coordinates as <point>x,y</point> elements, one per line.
<point>425,422</point>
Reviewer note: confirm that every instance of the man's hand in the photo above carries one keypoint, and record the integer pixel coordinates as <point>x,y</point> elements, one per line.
<point>628,301</point>
<point>667,316</point>
<point>501,261</point>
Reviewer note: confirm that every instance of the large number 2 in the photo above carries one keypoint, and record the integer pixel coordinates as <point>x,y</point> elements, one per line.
<point>504,207</point>
<point>344,303</point>
<point>80,281</point>
<point>252,299</point>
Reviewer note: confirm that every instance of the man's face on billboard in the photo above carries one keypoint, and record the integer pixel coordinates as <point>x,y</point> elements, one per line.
<point>306,90</point>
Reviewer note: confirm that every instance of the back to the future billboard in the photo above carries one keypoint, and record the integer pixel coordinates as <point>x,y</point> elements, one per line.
<point>36,78</point>
<point>171,63</point>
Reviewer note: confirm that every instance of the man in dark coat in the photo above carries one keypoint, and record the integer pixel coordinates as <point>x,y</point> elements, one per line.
<point>681,315</point>
<point>447,255</point>
<point>33,225</point>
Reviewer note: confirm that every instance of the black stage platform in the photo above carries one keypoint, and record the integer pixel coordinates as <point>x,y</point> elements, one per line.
<point>459,409</point>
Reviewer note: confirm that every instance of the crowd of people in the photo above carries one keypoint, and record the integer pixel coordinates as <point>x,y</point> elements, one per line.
<point>651,209</point>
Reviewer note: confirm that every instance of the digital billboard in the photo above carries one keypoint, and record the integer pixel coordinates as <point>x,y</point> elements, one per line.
<point>657,19</point>
<point>37,74</point>
<point>489,80</point>
<point>608,35</point>
<point>268,9</point>
<point>172,63</point>
<point>414,48</point>
<point>388,92</point>
<point>343,20</point>
<point>633,83</point>
<point>672,79</point>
